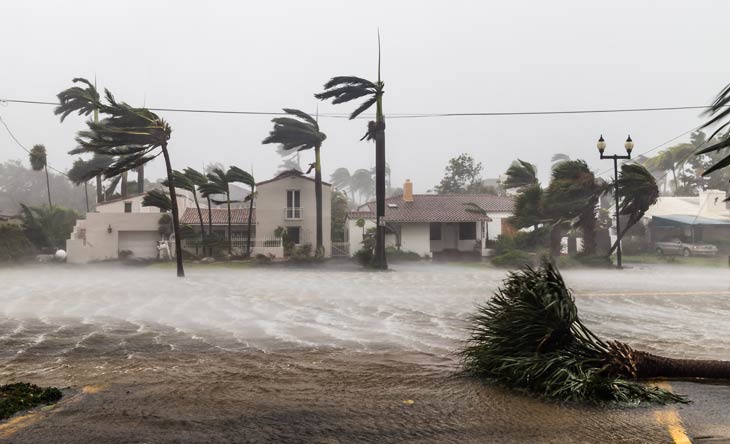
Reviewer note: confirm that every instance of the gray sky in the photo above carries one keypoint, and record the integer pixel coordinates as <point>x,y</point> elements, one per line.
<point>438,56</point>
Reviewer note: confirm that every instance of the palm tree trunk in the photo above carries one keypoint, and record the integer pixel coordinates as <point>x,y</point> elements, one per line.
<point>99,190</point>
<point>48,187</point>
<point>125,191</point>
<point>86,194</point>
<point>250,215</point>
<point>380,259</point>
<point>589,232</point>
<point>635,364</point>
<point>556,235</point>
<point>674,174</point>
<point>200,217</point>
<point>318,201</point>
<point>175,218</point>
<point>210,228</point>
<point>230,244</point>
<point>140,179</point>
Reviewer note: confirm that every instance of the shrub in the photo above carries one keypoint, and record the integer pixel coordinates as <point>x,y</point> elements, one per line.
<point>13,243</point>
<point>23,396</point>
<point>396,255</point>
<point>125,254</point>
<point>512,258</point>
<point>263,259</point>
<point>364,256</point>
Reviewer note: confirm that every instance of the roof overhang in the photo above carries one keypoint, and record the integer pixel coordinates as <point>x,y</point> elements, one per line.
<point>688,220</point>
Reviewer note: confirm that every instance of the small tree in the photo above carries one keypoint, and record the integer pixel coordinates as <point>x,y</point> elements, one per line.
<point>463,175</point>
<point>39,161</point>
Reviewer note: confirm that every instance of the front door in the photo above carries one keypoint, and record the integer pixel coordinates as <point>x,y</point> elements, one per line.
<point>451,236</point>
<point>294,234</point>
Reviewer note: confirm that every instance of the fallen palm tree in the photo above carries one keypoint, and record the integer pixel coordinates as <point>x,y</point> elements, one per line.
<point>529,337</point>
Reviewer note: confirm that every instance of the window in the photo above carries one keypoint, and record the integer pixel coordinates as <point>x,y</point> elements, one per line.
<point>435,230</point>
<point>293,233</point>
<point>293,205</point>
<point>467,231</point>
<point>127,207</point>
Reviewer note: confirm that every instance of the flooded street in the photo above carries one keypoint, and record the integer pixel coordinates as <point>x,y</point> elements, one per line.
<point>344,356</point>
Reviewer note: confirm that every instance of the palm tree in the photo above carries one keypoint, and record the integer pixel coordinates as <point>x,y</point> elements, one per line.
<point>199,179</point>
<point>344,89</point>
<point>219,183</point>
<point>638,191</point>
<point>529,337</point>
<point>520,174</point>
<point>132,135</point>
<point>362,182</point>
<point>236,174</point>
<point>39,161</point>
<point>342,180</point>
<point>718,112</point>
<point>573,195</point>
<point>183,182</point>
<point>298,134</point>
<point>158,199</point>
<point>528,210</point>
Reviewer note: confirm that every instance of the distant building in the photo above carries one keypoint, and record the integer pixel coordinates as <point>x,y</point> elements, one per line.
<point>430,224</point>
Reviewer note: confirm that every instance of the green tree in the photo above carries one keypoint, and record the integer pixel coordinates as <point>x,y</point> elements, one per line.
<point>14,244</point>
<point>297,133</point>
<point>344,89</point>
<point>342,180</point>
<point>462,176</point>
<point>218,183</point>
<point>362,182</point>
<point>338,214</point>
<point>637,192</point>
<point>19,184</point>
<point>132,135</point>
<point>520,174</point>
<point>48,227</point>
<point>39,161</point>
<point>236,174</point>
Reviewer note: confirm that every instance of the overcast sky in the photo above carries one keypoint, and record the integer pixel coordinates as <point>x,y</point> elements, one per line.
<point>438,56</point>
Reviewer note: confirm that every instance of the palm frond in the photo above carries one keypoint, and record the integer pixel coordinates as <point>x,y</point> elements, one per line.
<point>157,199</point>
<point>38,157</point>
<point>520,174</point>
<point>293,134</point>
<point>235,174</point>
<point>77,99</point>
<point>195,176</point>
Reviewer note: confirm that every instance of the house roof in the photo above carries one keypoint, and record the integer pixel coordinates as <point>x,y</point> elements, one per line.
<point>437,208</point>
<point>683,219</point>
<point>290,173</point>
<point>239,216</point>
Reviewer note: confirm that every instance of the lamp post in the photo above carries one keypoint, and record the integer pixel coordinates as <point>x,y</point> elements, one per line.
<point>629,145</point>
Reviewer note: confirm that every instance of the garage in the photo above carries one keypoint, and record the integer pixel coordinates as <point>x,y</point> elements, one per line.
<point>142,244</point>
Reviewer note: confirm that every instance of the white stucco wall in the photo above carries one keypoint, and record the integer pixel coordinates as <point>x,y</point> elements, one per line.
<point>271,203</point>
<point>184,200</point>
<point>354,234</point>
<point>494,227</point>
<point>416,238</point>
<point>99,244</point>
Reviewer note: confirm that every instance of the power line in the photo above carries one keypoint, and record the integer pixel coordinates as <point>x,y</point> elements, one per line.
<point>7,128</point>
<point>407,115</point>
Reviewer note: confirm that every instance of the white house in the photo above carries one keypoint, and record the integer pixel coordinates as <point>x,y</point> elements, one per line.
<point>124,226</point>
<point>430,224</point>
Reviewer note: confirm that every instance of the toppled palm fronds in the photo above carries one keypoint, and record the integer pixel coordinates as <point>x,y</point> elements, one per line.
<point>529,337</point>
<point>23,396</point>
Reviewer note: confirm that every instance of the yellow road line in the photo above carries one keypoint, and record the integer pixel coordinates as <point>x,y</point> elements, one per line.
<point>671,420</point>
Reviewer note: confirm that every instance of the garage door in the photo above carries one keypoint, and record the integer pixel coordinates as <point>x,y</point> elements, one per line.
<point>142,244</point>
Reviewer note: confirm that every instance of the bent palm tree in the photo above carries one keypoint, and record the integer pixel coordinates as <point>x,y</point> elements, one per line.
<point>345,89</point>
<point>638,191</point>
<point>718,112</point>
<point>218,183</point>
<point>520,174</point>
<point>236,174</point>
<point>131,135</point>
<point>298,134</point>
<point>158,199</point>
<point>529,337</point>
<point>342,180</point>
<point>39,161</point>
<point>183,182</point>
<point>198,179</point>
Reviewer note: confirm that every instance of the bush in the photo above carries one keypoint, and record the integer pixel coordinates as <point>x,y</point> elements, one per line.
<point>364,257</point>
<point>512,258</point>
<point>263,259</point>
<point>396,255</point>
<point>13,243</point>
<point>23,396</point>
<point>125,254</point>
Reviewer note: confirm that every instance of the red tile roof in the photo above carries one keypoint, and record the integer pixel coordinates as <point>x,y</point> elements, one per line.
<point>436,208</point>
<point>239,216</point>
<point>291,173</point>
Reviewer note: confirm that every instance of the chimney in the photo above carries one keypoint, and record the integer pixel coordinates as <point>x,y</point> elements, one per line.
<point>408,191</point>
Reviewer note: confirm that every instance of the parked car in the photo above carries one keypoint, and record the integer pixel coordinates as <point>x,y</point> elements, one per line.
<point>677,247</point>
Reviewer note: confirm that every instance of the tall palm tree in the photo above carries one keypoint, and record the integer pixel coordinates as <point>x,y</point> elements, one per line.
<point>39,161</point>
<point>132,134</point>
<point>342,180</point>
<point>298,133</point>
<point>198,179</point>
<point>362,182</point>
<point>158,199</point>
<point>236,174</point>
<point>344,89</point>
<point>528,210</point>
<point>638,191</point>
<point>520,174</point>
<point>83,170</point>
<point>183,182</point>
<point>219,183</point>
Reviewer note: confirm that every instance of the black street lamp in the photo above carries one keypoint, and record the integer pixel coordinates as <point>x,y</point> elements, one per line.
<point>629,145</point>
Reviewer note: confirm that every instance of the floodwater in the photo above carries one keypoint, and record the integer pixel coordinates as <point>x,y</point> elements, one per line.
<point>306,355</point>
